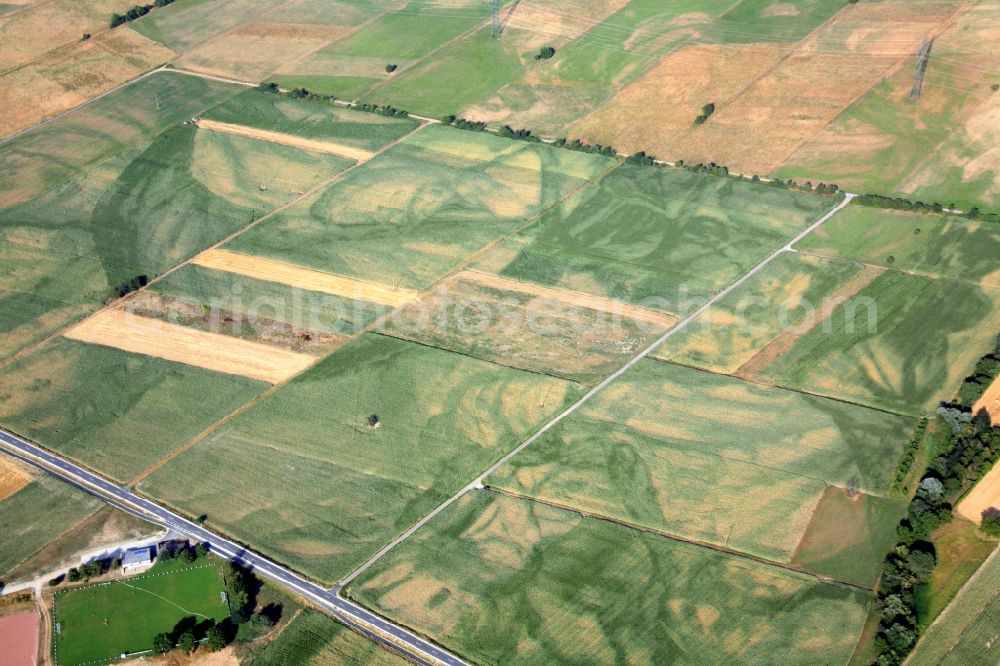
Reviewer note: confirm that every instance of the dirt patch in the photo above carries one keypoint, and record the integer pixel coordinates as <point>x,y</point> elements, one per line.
<point>288,140</point>
<point>19,639</point>
<point>983,495</point>
<point>193,314</point>
<point>281,272</point>
<point>153,337</point>
<point>571,299</point>
<point>787,339</point>
<point>201,657</point>
<point>990,401</point>
<point>12,478</point>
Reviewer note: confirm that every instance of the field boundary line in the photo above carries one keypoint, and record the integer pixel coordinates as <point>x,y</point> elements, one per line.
<point>893,269</point>
<point>375,324</point>
<point>671,536</point>
<point>679,326</point>
<point>757,382</point>
<point>888,73</point>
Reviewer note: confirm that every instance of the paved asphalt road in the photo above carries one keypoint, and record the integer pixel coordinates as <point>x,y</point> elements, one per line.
<point>418,649</point>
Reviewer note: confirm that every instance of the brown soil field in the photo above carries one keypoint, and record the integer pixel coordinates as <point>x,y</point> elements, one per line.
<point>571,298</point>
<point>670,95</point>
<point>990,401</point>
<point>563,18</point>
<point>288,140</point>
<point>35,30</point>
<point>983,495</point>
<point>281,272</point>
<point>790,92</point>
<point>19,639</point>
<point>260,48</point>
<point>70,76</point>
<point>12,478</point>
<point>787,339</point>
<point>153,337</point>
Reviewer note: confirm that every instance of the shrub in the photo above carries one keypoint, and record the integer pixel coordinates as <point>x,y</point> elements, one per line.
<point>391,67</point>
<point>545,53</point>
<point>991,521</point>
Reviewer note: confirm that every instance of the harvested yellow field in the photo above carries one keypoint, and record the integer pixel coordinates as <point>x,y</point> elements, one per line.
<point>990,401</point>
<point>153,337</point>
<point>563,18</point>
<point>793,101</point>
<point>281,272</point>
<point>671,94</point>
<point>288,140</point>
<point>12,478</point>
<point>573,299</point>
<point>70,76</point>
<point>984,495</point>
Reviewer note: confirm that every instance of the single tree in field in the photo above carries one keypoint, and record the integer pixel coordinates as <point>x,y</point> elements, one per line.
<point>991,521</point>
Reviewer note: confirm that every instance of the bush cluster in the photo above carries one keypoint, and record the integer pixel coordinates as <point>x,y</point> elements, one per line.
<point>911,454</point>
<point>129,286</point>
<point>974,448</point>
<point>134,13</point>
<point>982,376</point>
<point>706,112</point>
<point>899,203</point>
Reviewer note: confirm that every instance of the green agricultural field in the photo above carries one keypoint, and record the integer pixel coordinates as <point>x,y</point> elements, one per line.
<point>935,245</point>
<point>116,412</point>
<point>905,344</point>
<point>128,118</point>
<point>311,119</point>
<point>252,298</point>
<point>963,632</point>
<point>314,639</point>
<point>505,581</point>
<point>137,213</point>
<point>660,238</point>
<point>771,20</point>
<point>619,48</point>
<point>709,457</point>
<point>188,23</point>
<point>24,533</point>
<point>102,621</point>
<point>338,488</point>
<point>469,70</point>
<point>401,38</point>
<point>787,295</point>
<point>524,330</point>
<point>412,214</point>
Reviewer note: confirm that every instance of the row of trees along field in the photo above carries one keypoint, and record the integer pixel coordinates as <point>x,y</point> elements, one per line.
<point>972,449</point>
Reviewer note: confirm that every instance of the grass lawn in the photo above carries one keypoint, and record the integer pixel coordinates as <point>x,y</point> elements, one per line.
<point>316,639</point>
<point>660,238</point>
<point>114,411</point>
<point>506,581</point>
<point>961,549</point>
<point>710,458</point>
<point>935,245</point>
<point>104,620</point>
<point>337,488</point>
<point>311,119</point>
<point>415,212</point>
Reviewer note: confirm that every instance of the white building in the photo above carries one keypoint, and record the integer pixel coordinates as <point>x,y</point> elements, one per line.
<point>137,560</point>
